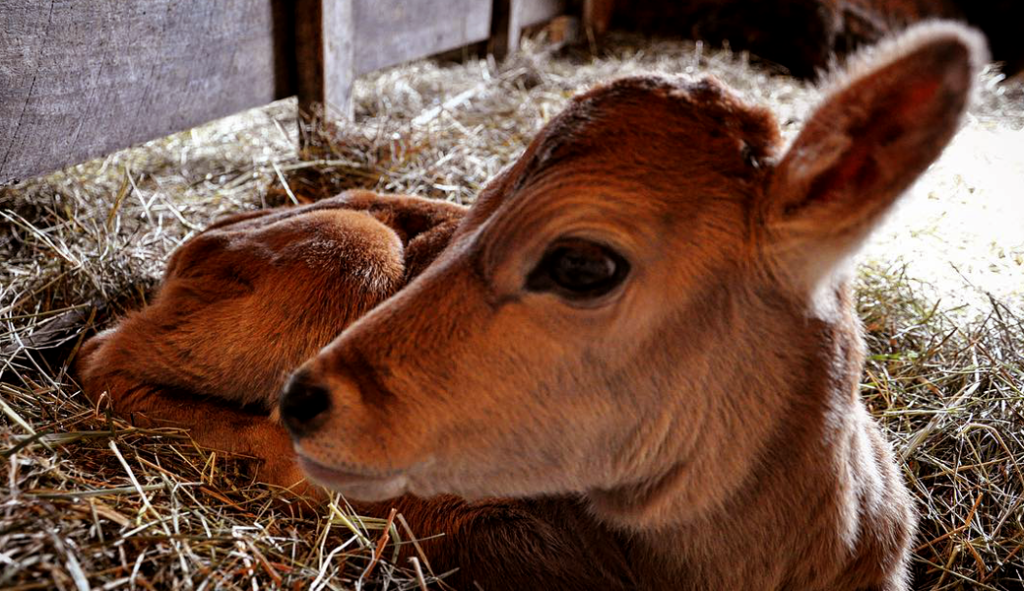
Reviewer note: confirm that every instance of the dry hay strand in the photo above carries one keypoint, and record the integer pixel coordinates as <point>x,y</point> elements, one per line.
<point>949,392</point>
<point>89,501</point>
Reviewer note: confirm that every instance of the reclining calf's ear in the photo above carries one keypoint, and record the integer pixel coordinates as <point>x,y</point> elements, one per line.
<point>881,126</point>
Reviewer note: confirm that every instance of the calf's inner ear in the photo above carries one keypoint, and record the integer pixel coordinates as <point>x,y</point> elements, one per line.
<point>876,132</point>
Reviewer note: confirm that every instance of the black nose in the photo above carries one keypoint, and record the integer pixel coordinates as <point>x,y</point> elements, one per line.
<point>304,404</point>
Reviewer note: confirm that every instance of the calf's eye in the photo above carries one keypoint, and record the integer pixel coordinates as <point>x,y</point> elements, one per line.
<point>578,270</point>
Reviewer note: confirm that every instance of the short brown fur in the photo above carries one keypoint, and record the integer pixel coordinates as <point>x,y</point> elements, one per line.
<point>697,428</point>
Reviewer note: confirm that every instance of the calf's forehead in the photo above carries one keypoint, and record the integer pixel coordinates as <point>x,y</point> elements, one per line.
<point>646,155</point>
<point>649,121</point>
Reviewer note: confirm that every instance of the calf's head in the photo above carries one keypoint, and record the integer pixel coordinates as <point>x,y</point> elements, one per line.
<point>635,307</point>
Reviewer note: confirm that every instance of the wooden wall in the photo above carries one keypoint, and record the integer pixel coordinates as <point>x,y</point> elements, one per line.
<point>82,78</point>
<point>79,79</point>
<point>390,32</point>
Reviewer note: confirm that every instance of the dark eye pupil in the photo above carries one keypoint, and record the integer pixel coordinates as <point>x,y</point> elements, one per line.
<point>578,269</point>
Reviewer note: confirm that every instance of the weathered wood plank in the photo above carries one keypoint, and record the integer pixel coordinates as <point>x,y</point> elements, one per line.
<point>505,27</point>
<point>597,16</point>
<point>82,79</point>
<point>390,32</point>
<point>325,56</point>
<point>535,12</point>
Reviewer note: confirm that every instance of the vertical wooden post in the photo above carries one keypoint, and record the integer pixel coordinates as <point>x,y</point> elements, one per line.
<point>325,60</point>
<point>597,16</point>
<point>505,27</point>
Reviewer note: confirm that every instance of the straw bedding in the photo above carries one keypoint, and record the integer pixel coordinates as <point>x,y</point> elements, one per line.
<point>89,501</point>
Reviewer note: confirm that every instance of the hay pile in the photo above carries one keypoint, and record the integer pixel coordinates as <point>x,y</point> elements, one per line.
<point>88,501</point>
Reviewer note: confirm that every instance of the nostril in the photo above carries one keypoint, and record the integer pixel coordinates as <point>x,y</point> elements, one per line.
<point>304,404</point>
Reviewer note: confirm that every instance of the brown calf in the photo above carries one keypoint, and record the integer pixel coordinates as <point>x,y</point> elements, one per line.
<point>642,331</point>
<point>651,310</point>
<point>248,300</point>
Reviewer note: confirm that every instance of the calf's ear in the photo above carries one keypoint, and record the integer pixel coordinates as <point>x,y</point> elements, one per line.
<point>885,120</point>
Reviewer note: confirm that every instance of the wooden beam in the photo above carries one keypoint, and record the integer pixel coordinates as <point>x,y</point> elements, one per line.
<point>510,17</point>
<point>325,57</point>
<point>505,27</point>
<point>82,79</point>
<point>597,17</point>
